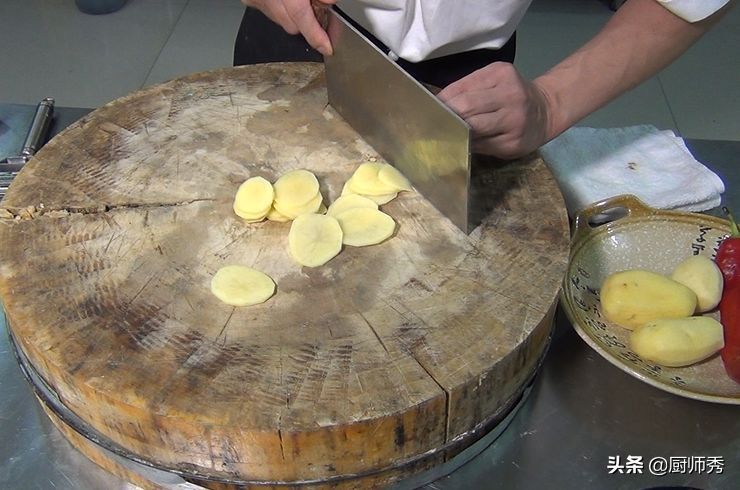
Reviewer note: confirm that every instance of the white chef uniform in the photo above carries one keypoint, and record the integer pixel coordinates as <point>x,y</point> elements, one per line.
<point>416,30</point>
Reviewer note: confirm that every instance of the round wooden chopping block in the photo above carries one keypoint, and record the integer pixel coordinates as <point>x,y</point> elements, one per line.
<point>382,362</point>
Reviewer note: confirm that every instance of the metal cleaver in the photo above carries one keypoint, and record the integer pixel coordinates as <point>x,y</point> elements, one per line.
<point>404,122</point>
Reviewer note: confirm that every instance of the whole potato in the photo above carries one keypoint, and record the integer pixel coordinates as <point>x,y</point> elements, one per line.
<point>634,297</point>
<point>701,275</point>
<point>679,341</point>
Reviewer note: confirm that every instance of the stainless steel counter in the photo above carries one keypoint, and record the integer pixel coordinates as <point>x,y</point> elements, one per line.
<point>585,424</point>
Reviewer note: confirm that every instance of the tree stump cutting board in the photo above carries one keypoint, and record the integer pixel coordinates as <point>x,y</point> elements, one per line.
<point>379,364</point>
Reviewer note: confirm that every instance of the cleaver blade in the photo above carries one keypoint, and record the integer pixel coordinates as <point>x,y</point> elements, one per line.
<point>403,121</point>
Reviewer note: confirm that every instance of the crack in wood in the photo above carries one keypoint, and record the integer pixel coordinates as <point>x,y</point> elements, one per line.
<point>10,214</point>
<point>282,448</point>
<point>444,390</point>
<point>429,373</point>
<point>372,329</point>
<point>223,329</point>
<point>151,278</point>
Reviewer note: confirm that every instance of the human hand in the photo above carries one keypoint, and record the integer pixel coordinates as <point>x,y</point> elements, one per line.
<point>297,17</point>
<point>509,115</point>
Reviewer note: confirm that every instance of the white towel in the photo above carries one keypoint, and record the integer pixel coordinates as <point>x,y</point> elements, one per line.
<point>593,164</point>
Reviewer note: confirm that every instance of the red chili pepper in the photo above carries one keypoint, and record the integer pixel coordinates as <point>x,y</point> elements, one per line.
<point>728,260</point>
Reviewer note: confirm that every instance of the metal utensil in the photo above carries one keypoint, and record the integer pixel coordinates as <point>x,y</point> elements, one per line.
<point>10,166</point>
<point>404,122</point>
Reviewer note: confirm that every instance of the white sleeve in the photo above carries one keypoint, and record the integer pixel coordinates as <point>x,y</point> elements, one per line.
<point>693,10</point>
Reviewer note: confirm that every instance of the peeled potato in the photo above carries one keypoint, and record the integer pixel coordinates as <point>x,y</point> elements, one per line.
<point>349,201</point>
<point>314,239</point>
<point>703,276</point>
<point>365,226</point>
<point>634,297</point>
<point>295,189</point>
<point>678,342</point>
<point>253,198</point>
<point>239,285</point>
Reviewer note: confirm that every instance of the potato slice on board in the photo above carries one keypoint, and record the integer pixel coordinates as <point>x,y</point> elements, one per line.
<point>349,201</point>
<point>365,226</point>
<point>314,239</point>
<point>295,188</point>
<point>254,198</point>
<point>384,199</point>
<point>291,212</point>
<point>379,200</point>
<point>365,180</point>
<point>239,285</point>
<point>275,215</point>
<point>250,217</point>
<point>390,175</point>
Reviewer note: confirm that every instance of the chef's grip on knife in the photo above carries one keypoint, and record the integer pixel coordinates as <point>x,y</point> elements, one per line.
<point>299,17</point>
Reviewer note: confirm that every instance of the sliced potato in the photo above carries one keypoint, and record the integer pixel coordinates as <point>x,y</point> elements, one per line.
<point>248,215</point>
<point>383,199</point>
<point>366,180</point>
<point>365,226</point>
<point>275,215</point>
<point>390,175</point>
<point>349,201</point>
<point>703,276</point>
<point>678,342</point>
<point>296,188</point>
<point>379,200</point>
<point>314,239</point>
<point>253,198</point>
<point>312,206</point>
<point>346,189</point>
<point>239,285</point>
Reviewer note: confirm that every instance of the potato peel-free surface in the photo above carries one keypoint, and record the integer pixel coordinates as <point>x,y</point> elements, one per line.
<point>365,226</point>
<point>239,285</point>
<point>391,176</point>
<point>295,189</point>
<point>365,180</point>
<point>314,239</point>
<point>275,215</point>
<point>291,212</point>
<point>349,201</point>
<point>677,342</point>
<point>384,199</point>
<point>254,198</point>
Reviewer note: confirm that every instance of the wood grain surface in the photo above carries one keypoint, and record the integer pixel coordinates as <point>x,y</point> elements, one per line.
<point>110,236</point>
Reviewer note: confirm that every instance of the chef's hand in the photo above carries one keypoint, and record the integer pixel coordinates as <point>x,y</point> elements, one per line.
<point>508,114</point>
<point>297,17</point>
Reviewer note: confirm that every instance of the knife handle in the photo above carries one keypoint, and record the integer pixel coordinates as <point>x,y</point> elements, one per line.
<point>39,127</point>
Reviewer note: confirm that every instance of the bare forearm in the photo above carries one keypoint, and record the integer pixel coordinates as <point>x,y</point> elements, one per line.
<point>640,40</point>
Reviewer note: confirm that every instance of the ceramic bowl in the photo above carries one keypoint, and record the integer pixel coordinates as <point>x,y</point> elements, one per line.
<point>623,233</point>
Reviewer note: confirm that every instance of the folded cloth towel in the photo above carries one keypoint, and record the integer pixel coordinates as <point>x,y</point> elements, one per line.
<point>593,164</point>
